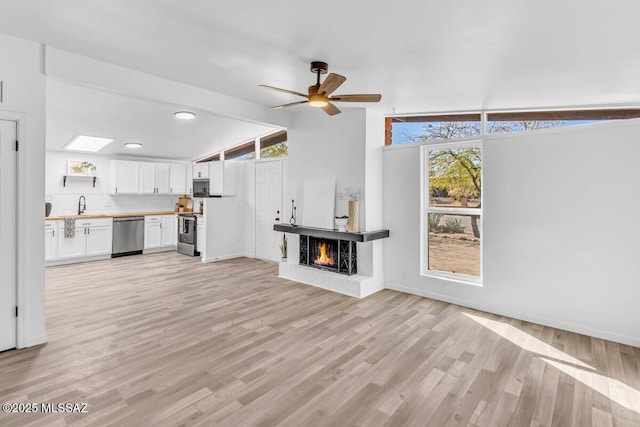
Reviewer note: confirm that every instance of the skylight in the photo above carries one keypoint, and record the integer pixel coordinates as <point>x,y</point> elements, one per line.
<point>87,143</point>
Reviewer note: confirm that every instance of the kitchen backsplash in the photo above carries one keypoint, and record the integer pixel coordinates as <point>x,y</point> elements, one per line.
<point>67,204</point>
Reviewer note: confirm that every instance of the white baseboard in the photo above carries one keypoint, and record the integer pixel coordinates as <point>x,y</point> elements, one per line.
<point>62,261</point>
<point>31,341</point>
<point>598,333</point>
<point>223,257</point>
<point>161,249</point>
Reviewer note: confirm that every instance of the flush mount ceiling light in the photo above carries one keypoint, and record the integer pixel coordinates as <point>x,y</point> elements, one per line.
<point>133,145</point>
<point>185,115</point>
<point>87,143</point>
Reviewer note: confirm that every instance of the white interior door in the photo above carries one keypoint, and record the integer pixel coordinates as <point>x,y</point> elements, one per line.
<point>7,234</point>
<point>268,208</point>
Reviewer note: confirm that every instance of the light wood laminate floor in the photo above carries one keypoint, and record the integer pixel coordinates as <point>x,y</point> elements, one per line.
<point>163,339</point>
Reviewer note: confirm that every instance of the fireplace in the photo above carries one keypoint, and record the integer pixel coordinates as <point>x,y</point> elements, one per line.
<point>334,255</point>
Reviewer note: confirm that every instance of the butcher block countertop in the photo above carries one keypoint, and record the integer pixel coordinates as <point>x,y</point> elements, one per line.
<point>111,215</point>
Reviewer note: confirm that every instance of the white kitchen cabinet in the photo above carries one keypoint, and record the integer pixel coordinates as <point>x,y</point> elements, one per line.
<point>125,177</point>
<point>222,178</point>
<point>99,240</point>
<point>50,240</point>
<point>189,190</point>
<point>147,178</point>
<point>201,170</point>
<point>72,247</point>
<point>160,231</point>
<point>201,237</point>
<point>178,179</point>
<point>155,178</point>
<point>169,230</point>
<point>163,178</point>
<point>216,177</point>
<point>152,232</point>
<point>93,238</point>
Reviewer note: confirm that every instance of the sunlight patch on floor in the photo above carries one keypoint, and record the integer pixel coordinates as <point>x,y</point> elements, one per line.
<point>613,389</point>
<point>525,340</point>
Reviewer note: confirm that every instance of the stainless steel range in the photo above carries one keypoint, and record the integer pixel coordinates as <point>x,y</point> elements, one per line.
<point>188,234</point>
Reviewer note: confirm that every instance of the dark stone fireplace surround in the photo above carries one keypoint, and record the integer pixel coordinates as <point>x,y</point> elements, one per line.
<point>345,243</point>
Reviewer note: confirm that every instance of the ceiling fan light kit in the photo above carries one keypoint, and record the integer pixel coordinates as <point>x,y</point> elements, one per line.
<point>318,101</point>
<point>318,94</point>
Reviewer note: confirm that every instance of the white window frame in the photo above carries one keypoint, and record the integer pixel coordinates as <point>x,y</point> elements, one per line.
<point>425,210</point>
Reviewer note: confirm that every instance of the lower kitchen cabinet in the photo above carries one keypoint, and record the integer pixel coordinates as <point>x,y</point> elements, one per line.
<point>152,232</point>
<point>100,239</point>
<point>169,230</point>
<point>160,232</point>
<point>201,237</point>
<point>50,240</point>
<point>93,238</point>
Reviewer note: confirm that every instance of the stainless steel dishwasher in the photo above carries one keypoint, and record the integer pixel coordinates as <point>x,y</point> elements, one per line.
<point>128,236</point>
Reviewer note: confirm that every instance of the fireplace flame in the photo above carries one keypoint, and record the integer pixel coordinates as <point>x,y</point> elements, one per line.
<point>323,258</point>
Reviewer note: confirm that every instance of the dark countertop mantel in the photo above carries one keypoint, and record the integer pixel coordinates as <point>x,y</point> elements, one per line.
<point>365,236</point>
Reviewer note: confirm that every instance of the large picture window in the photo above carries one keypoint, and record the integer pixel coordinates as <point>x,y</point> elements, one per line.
<point>452,211</point>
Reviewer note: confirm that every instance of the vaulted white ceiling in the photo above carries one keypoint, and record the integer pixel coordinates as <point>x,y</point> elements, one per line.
<point>423,56</point>
<point>73,109</point>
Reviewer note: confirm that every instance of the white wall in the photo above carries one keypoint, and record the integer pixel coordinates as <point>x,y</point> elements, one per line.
<point>322,146</point>
<point>64,200</point>
<point>224,223</point>
<point>248,200</point>
<point>560,241</point>
<point>347,147</point>
<point>21,69</point>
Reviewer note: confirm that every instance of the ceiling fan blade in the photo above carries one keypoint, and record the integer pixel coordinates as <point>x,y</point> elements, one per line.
<point>331,109</point>
<point>291,104</point>
<point>293,92</point>
<point>371,97</point>
<point>331,83</point>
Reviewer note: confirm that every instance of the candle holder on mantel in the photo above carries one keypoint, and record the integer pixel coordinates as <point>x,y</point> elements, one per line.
<point>292,220</point>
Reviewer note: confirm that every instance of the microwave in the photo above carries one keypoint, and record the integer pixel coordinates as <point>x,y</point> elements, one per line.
<point>201,187</point>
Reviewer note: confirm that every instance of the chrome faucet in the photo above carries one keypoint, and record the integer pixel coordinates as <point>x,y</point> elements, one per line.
<point>82,205</point>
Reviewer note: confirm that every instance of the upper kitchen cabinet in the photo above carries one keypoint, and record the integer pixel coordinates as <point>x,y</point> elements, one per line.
<point>178,179</point>
<point>129,177</point>
<point>155,178</point>
<point>147,178</point>
<point>163,178</point>
<point>201,170</point>
<point>189,180</point>
<point>125,177</point>
<point>222,178</point>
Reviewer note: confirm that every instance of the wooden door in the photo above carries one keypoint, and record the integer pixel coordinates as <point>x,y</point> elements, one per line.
<point>268,209</point>
<point>8,223</point>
